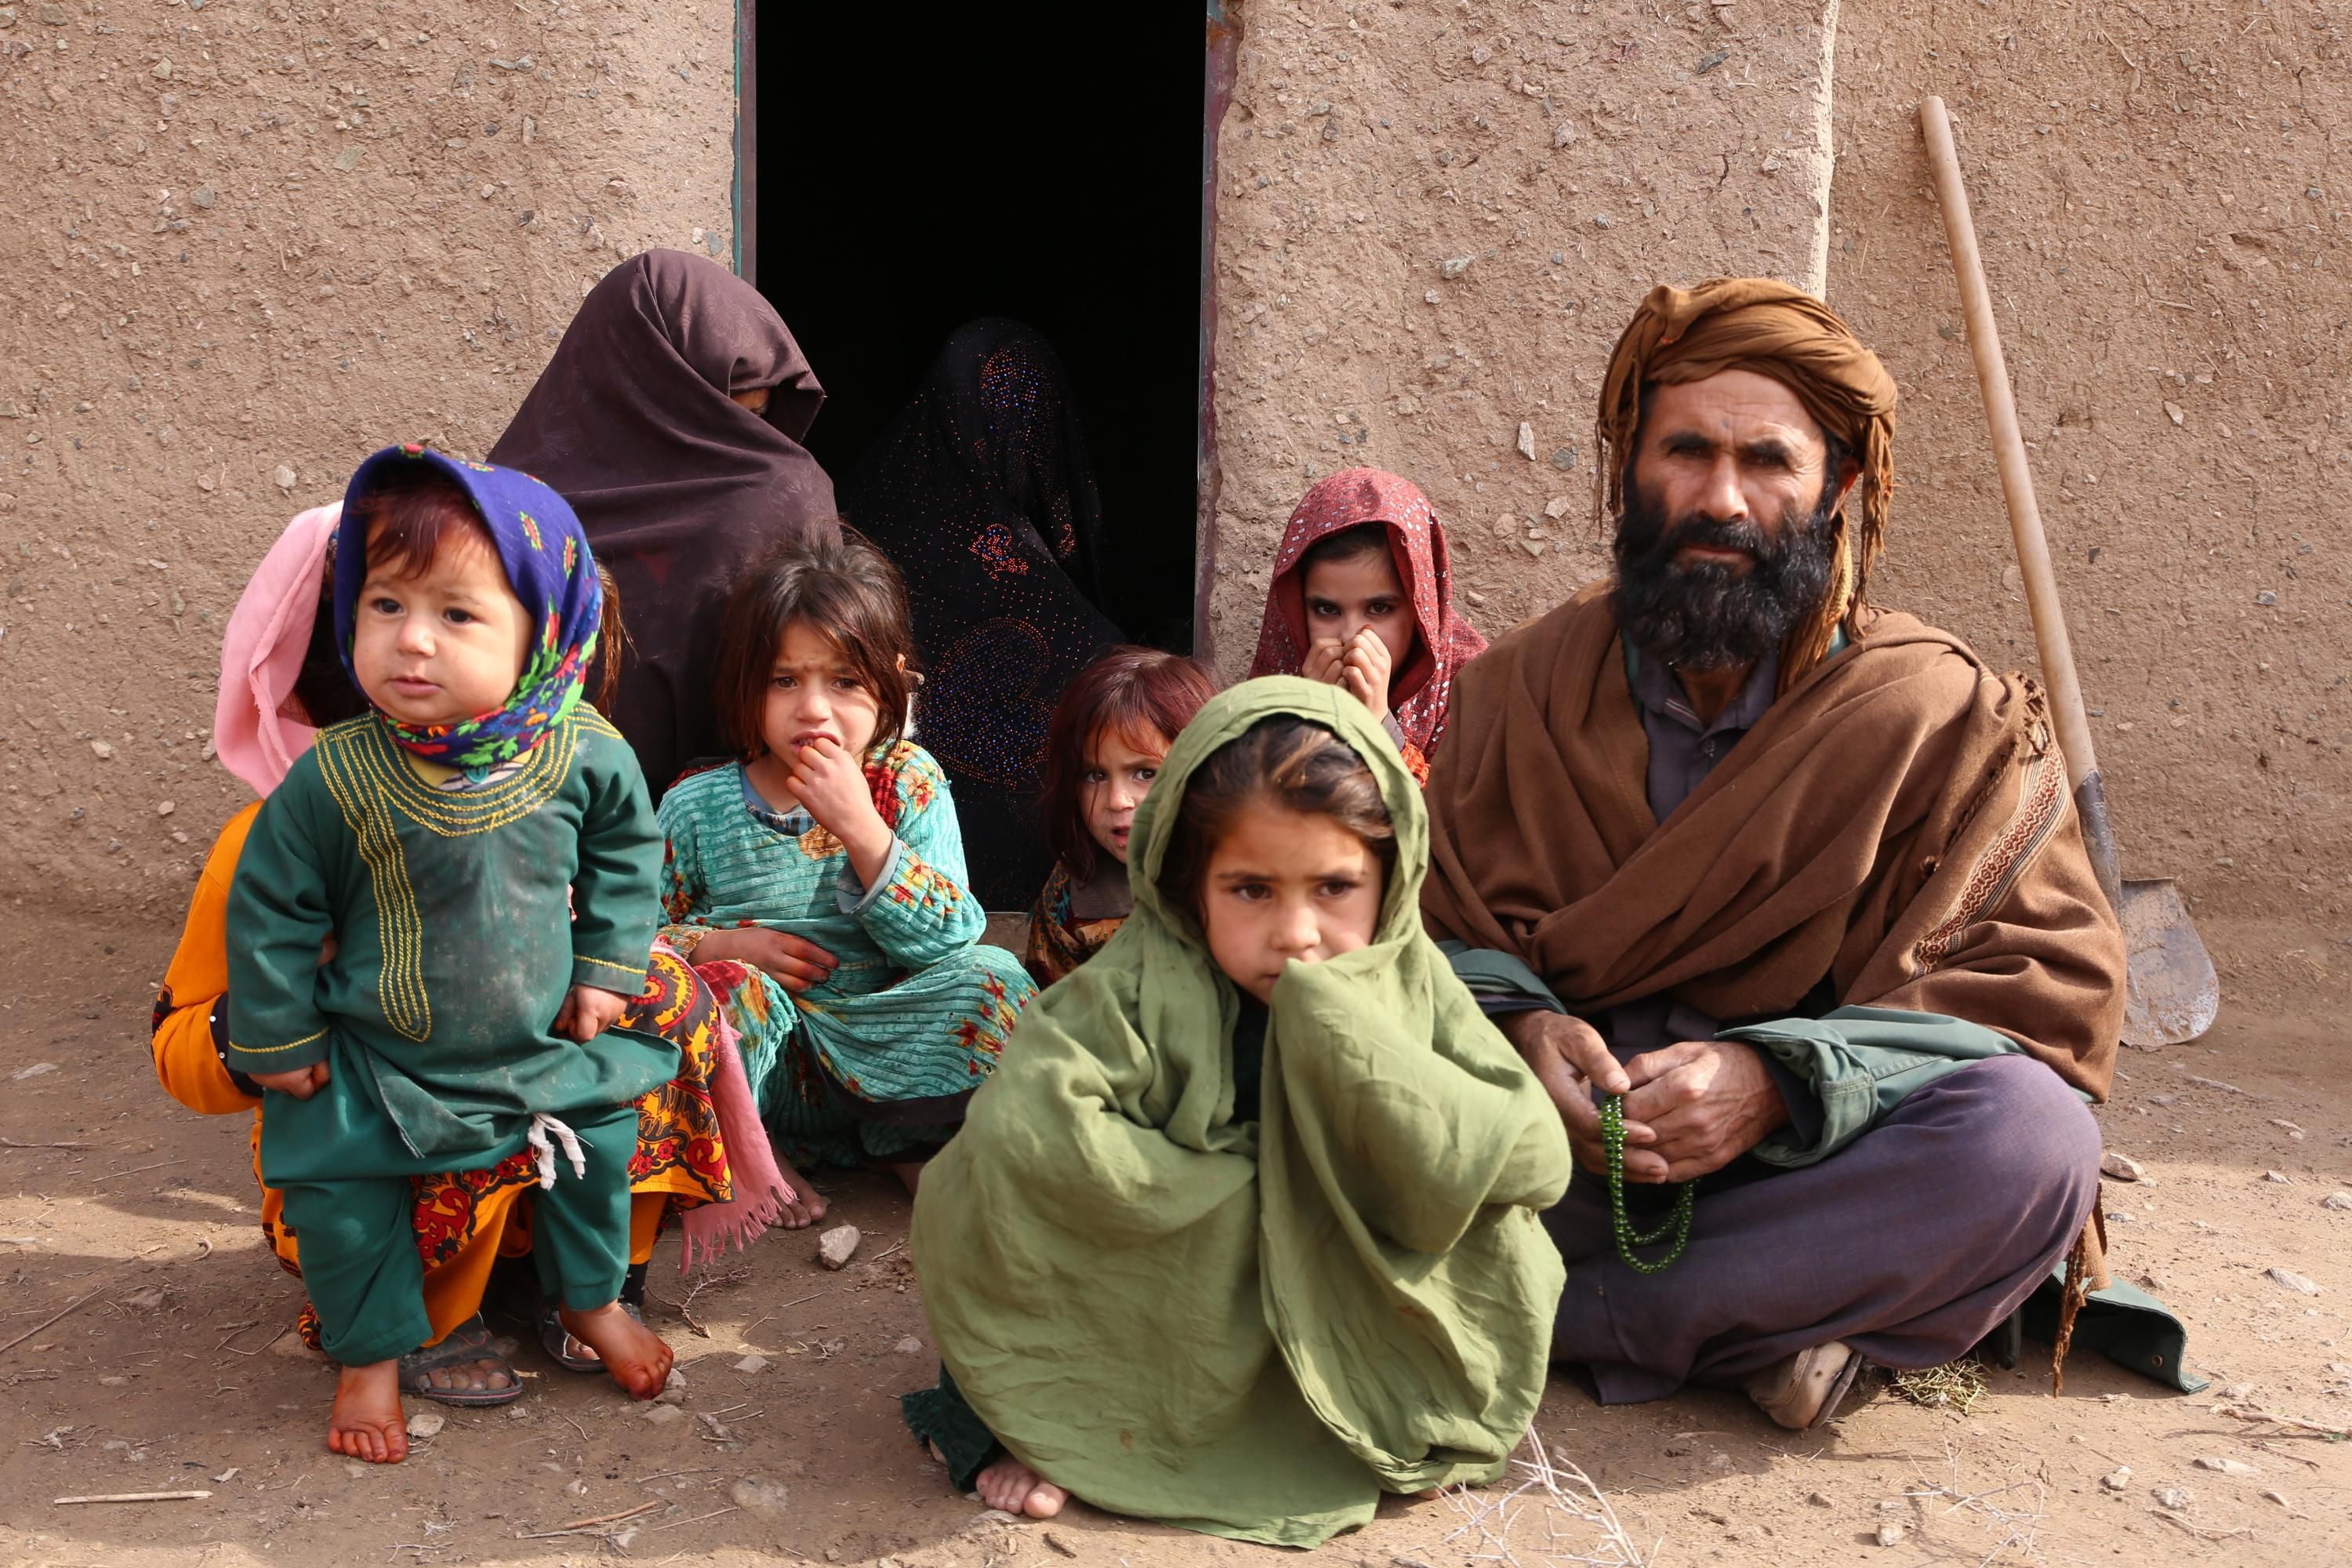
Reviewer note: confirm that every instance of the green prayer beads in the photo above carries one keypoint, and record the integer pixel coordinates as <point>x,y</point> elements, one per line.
<point>1612,1144</point>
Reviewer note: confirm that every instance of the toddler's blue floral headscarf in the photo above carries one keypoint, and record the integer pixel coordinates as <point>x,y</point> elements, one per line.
<point>546,557</point>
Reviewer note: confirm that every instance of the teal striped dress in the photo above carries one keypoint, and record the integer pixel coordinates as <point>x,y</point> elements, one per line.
<point>877,1061</point>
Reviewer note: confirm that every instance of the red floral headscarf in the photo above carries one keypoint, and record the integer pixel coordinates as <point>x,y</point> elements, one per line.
<point>1421,688</point>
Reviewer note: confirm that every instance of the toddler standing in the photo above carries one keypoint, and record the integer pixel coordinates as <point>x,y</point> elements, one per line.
<point>476,856</point>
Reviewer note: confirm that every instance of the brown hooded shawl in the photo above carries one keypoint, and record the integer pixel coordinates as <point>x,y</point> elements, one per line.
<point>677,485</point>
<point>1899,822</point>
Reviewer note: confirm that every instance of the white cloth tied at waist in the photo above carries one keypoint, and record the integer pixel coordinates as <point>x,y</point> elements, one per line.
<point>543,1149</point>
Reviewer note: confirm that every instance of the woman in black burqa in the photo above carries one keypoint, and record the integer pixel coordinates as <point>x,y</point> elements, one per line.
<point>982,492</point>
<point>671,418</point>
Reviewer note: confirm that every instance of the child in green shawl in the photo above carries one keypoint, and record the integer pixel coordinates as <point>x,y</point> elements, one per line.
<point>1243,1233</point>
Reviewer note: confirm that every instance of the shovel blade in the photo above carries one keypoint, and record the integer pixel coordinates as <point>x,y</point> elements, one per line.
<point>2172,994</point>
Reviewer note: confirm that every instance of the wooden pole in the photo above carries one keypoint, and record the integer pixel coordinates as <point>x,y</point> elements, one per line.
<point>2057,651</point>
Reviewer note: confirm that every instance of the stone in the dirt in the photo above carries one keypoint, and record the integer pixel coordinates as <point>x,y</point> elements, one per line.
<point>146,1300</point>
<point>2277,1178</point>
<point>662,1414</point>
<point>836,1246</point>
<point>2292,1281</point>
<point>1053,1540</point>
<point>427,1423</point>
<point>2225,1466</point>
<point>284,477</point>
<point>355,1471</point>
<point>2116,1480</point>
<point>758,1493</point>
<point>1890,1534</point>
<point>1820,1499</point>
<point>2122,1167</point>
<point>910,1345</point>
<point>673,1389</point>
<point>1455,266</point>
<point>2271,1494</point>
<point>753,1363</point>
<point>2173,1497</point>
<point>2236,1391</point>
<point>1527,441</point>
<point>2337,1201</point>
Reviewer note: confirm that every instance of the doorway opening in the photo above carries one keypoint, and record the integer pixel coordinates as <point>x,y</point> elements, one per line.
<point>914,171</point>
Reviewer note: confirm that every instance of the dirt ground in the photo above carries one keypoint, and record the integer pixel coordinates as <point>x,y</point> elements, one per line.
<point>176,1367</point>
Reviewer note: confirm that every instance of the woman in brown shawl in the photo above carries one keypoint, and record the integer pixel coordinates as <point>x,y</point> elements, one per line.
<point>671,418</point>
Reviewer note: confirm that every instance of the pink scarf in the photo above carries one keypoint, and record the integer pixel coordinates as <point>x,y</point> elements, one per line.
<point>759,1187</point>
<point>269,632</point>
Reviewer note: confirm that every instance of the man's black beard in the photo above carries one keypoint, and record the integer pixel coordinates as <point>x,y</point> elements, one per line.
<point>1709,616</point>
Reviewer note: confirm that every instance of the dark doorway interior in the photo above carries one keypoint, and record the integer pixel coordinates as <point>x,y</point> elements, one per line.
<point>919,168</point>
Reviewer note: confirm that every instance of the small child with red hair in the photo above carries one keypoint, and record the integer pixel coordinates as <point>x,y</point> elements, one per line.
<point>1115,722</point>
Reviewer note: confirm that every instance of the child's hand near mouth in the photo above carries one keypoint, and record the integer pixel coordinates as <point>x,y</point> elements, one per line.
<point>830,783</point>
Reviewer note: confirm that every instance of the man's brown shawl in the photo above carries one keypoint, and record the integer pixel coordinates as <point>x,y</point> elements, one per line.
<point>1899,822</point>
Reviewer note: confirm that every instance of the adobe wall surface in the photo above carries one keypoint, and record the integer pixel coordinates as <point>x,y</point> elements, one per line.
<point>2161,194</point>
<point>247,243</point>
<point>1436,219</point>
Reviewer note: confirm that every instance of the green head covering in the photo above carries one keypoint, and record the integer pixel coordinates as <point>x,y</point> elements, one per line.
<point>1251,1320</point>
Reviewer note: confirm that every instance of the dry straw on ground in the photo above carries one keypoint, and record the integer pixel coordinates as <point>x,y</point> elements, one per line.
<point>1555,1517</point>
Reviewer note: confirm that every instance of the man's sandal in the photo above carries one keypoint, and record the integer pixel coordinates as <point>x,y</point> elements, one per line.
<point>469,1342</point>
<point>571,1355</point>
<point>1801,1390</point>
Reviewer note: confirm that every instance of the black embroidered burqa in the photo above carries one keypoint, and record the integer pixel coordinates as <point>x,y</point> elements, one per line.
<point>677,485</point>
<point>982,492</point>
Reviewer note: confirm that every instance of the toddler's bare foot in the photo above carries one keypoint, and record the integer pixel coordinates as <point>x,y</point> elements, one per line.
<point>1014,1488</point>
<point>634,1354</point>
<point>366,1422</point>
<point>807,1206</point>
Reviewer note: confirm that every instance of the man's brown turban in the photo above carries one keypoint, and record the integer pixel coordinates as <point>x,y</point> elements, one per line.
<point>1774,329</point>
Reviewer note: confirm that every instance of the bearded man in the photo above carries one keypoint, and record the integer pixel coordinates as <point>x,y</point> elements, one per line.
<point>1798,879</point>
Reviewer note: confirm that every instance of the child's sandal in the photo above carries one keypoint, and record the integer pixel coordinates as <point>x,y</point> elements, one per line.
<point>567,1352</point>
<point>469,1342</point>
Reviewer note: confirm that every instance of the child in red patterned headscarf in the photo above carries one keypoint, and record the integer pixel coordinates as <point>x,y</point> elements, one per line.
<point>1363,597</point>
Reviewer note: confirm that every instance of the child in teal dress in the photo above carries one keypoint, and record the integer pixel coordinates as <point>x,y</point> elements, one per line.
<point>438,918</point>
<point>817,884</point>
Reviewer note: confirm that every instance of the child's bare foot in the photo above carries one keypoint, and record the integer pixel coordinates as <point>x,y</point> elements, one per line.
<point>366,1422</point>
<point>807,1206</point>
<point>634,1354</point>
<point>1014,1488</point>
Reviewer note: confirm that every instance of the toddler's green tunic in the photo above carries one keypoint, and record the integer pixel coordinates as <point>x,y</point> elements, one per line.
<point>456,943</point>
